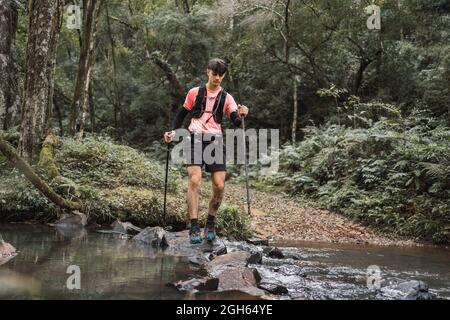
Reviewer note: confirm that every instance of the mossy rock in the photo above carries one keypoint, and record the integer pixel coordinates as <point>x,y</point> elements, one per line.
<point>142,207</point>
<point>47,158</point>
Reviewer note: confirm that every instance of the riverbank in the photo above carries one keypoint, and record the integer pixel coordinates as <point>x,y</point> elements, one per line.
<point>279,217</point>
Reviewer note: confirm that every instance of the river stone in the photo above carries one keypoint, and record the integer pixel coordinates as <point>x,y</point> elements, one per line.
<point>74,219</point>
<point>6,249</point>
<point>233,274</point>
<point>413,285</point>
<point>255,251</point>
<point>290,270</point>
<point>273,288</point>
<point>235,277</point>
<point>125,227</point>
<point>7,252</point>
<point>236,259</point>
<point>179,244</point>
<point>204,284</point>
<point>273,252</point>
<point>415,290</point>
<point>155,236</point>
<point>258,241</point>
<point>198,260</point>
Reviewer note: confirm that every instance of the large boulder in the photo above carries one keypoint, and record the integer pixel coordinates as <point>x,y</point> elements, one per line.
<point>155,236</point>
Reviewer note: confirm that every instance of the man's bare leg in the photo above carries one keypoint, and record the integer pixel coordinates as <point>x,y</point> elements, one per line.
<point>195,179</point>
<point>218,186</point>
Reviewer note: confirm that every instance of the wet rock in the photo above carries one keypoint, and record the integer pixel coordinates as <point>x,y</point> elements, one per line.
<point>205,284</point>
<point>253,291</point>
<point>290,270</point>
<point>273,288</point>
<point>273,252</point>
<point>235,278</point>
<point>198,260</point>
<point>258,241</point>
<point>415,290</point>
<point>233,274</point>
<point>6,248</point>
<point>409,290</point>
<point>179,245</point>
<point>7,252</point>
<point>70,220</point>
<point>155,236</point>
<point>413,285</point>
<point>255,251</point>
<point>255,258</point>
<point>125,227</point>
<point>236,258</point>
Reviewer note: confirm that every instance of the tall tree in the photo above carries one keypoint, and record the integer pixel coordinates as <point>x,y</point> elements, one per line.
<point>9,93</point>
<point>85,62</point>
<point>43,33</point>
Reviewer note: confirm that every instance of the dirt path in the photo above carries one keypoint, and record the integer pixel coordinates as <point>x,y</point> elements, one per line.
<point>278,217</point>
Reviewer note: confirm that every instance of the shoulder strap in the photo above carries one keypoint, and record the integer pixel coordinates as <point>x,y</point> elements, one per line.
<point>200,100</point>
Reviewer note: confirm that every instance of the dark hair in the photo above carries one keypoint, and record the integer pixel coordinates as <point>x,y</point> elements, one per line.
<point>218,66</point>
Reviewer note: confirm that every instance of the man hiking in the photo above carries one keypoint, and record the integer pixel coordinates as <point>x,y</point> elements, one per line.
<point>208,103</point>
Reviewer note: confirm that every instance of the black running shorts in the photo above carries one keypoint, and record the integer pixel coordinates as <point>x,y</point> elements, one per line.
<point>196,155</point>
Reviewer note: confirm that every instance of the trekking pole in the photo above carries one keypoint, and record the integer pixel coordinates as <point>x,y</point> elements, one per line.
<point>165,183</point>
<point>245,166</point>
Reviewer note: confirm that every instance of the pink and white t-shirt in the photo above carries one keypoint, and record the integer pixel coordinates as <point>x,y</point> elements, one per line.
<point>200,125</point>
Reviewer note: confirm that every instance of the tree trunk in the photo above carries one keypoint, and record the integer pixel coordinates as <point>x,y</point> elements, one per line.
<point>40,184</point>
<point>92,109</point>
<point>178,93</point>
<point>90,15</point>
<point>294,117</point>
<point>117,102</point>
<point>91,57</point>
<point>58,115</point>
<point>9,92</point>
<point>43,34</point>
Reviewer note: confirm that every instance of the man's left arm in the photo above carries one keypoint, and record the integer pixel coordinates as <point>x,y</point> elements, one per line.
<point>236,112</point>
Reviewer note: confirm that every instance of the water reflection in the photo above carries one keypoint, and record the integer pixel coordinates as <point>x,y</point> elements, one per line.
<point>111,268</point>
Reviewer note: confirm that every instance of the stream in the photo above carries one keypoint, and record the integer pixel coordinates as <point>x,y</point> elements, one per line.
<point>115,268</point>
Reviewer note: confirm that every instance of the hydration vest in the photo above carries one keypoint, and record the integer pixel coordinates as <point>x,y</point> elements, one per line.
<point>200,105</point>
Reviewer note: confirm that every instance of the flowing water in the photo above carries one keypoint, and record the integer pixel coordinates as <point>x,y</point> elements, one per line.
<point>115,268</point>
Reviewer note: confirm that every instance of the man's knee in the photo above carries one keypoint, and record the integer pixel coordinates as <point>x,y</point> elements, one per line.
<point>195,181</point>
<point>219,186</point>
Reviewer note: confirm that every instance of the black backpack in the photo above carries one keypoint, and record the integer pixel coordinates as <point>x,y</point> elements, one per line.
<point>200,105</point>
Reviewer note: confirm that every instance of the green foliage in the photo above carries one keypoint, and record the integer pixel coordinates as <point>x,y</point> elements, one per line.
<point>111,180</point>
<point>102,163</point>
<point>233,223</point>
<point>393,175</point>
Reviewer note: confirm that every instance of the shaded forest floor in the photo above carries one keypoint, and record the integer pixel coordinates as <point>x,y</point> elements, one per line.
<point>277,216</point>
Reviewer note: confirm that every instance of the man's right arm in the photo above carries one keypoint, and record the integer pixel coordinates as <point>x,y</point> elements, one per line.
<point>179,118</point>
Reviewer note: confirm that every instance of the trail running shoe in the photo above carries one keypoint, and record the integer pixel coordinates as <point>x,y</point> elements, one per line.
<point>194,235</point>
<point>210,231</point>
